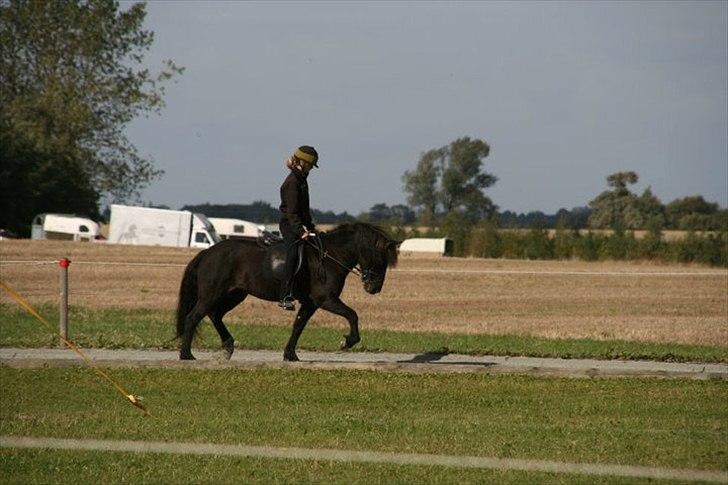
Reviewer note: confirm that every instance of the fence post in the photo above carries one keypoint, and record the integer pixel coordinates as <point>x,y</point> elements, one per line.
<point>63,304</point>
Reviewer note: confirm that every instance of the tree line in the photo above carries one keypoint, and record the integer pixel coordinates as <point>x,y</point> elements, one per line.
<point>263,212</point>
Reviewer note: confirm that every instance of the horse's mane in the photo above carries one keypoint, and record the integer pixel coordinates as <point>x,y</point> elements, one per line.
<point>371,239</point>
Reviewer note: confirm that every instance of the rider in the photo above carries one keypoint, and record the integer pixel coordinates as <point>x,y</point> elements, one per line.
<point>296,223</point>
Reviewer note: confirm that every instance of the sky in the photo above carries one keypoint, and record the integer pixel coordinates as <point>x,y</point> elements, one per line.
<point>564,93</point>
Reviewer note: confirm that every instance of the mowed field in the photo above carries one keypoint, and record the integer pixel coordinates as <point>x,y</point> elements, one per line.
<point>552,299</point>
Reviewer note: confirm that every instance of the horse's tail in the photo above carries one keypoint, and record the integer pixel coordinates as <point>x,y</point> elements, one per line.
<point>187,293</point>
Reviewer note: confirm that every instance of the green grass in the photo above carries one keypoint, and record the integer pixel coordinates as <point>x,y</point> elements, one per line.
<point>112,328</point>
<point>73,467</point>
<point>672,423</point>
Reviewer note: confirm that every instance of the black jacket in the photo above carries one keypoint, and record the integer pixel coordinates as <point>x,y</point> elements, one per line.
<point>295,209</point>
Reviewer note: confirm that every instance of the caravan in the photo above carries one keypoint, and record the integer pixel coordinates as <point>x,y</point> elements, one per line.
<point>236,228</point>
<point>65,227</point>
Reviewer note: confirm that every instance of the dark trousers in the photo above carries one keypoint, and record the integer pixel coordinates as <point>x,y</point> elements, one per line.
<point>290,240</point>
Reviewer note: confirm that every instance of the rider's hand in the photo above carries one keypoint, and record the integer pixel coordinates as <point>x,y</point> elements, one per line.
<point>306,233</point>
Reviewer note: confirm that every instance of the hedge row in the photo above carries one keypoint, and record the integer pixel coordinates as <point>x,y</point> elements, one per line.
<point>486,241</point>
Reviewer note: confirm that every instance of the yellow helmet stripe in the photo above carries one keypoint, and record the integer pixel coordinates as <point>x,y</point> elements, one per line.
<point>301,155</point>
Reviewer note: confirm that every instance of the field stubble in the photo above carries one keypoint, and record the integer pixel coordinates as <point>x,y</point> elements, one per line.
<point>450,296</point>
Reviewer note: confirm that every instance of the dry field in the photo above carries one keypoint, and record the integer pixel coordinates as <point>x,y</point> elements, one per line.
<point>607,300</point>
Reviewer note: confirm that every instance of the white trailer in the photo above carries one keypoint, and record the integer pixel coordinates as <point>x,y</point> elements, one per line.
<point>426,246</point>
<point>65,227</point>
<point>228,228</point>
<point>160,227</point>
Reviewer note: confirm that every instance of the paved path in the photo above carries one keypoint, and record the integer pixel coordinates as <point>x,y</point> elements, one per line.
<point>389,362</point>
<point>483,462</point>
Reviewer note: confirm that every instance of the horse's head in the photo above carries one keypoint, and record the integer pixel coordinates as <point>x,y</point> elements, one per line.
<point>377,251</point>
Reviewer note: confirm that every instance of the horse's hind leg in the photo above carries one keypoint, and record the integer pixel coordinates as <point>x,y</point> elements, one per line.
<point>191,321</point>
<point>227,303</point>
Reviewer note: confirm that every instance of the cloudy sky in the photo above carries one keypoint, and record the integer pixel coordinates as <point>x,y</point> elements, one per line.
<point>565,94</point>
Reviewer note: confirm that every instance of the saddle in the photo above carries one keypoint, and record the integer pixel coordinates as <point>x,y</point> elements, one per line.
<point>275,260</point>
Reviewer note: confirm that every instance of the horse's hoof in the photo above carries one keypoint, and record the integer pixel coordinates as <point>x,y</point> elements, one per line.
<point>292,357</point>
<point>186,357</point>
<point>228,347</point>
<point>348,343</point>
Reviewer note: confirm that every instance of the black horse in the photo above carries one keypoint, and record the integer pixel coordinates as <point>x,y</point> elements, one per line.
<point>220,277</point>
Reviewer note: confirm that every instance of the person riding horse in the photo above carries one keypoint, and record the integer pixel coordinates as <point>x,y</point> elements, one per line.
<point>296,224</point>
<point>220,277</point>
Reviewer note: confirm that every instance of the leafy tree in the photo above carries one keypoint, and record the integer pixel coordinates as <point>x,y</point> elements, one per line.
<point>30,184</point>
<point>650,209</point>
<point>609,207</point>
<point>692,213</point>
<point>421,184</point>
<point>452,178</point>
<point>621,209</point>
<point>70,81</point>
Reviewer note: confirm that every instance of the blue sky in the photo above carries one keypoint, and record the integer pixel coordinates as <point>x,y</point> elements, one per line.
<point>565,94</point>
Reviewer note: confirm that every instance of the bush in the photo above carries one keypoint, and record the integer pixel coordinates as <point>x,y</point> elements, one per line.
<point>565,243</point>
<point>538,245</point>
<point>457,228</point>
<point>587,247</point>
<point>485,241</point>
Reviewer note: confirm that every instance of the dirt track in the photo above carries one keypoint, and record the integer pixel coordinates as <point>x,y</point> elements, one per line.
<point>386,362</point>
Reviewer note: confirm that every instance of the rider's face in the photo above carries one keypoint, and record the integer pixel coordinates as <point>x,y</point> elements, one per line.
<point>305,167</point>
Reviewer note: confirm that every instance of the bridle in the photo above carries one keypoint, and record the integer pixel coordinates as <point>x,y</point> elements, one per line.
<point>364,274</point>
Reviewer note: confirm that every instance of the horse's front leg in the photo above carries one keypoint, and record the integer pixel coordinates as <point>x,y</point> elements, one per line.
<point>336,306</point>
<point>304,315</point>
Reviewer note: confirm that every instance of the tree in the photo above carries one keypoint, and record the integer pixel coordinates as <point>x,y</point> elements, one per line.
<point>619,208</point>
<point>692,213</point>
<point>421,184</point>
<point>70,81</point>
<point>452,178</point>
<point>31,185</point>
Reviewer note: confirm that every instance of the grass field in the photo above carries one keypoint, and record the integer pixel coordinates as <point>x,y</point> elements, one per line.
<point>28,467</point>
<point>564,309</point>
<point>138,328</point>
<point>640,422</point>
<point>541,299</point>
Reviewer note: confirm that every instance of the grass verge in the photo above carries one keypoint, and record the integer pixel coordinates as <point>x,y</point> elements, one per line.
<point>134,328</point>
<point>678,424</point>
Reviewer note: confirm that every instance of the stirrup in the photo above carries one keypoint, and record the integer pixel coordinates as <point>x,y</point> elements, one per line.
<point>287,303</point>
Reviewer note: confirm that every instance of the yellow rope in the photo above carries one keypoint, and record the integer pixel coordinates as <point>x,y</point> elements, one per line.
<point>135,400</point>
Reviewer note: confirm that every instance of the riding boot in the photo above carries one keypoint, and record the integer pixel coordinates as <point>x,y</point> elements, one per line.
<point>286,293</point>
<point>287,302</point>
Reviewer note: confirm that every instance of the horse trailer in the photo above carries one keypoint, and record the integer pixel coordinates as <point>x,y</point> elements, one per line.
<point>160,227</point>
